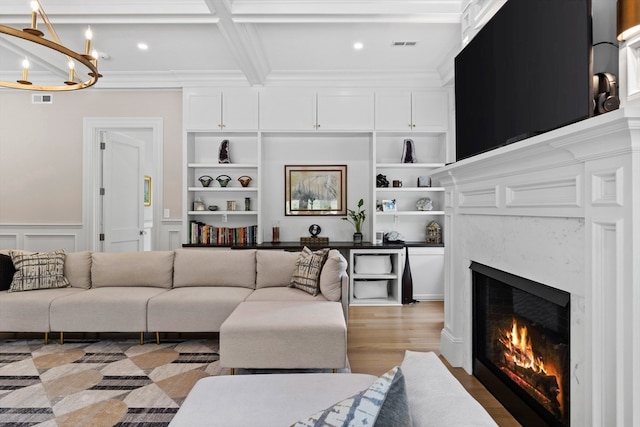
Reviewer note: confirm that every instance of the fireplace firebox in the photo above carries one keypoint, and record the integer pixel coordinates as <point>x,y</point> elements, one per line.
<point>521,345</point>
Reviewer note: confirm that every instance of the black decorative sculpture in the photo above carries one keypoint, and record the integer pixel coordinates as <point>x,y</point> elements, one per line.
<point>408,152</point>
<point>382,181</point>
<point>223,152</point>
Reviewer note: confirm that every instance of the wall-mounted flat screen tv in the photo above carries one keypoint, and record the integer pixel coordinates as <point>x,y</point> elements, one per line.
<point>527,71</point>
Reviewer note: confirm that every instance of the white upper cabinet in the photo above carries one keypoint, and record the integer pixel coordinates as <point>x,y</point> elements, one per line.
<point>345,110</point>
<point>288,109</point>
<point>214,109</point>
<point>393,110</point>
<point>429,110</point>
<point>423,110</point>
<point>333,109</point>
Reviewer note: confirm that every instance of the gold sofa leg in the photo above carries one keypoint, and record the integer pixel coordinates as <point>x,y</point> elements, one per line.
<point>61,337</point>
<point>335,370</point>
<point>141,338</point>
<point>46,338</point>
<point>157,338</point>
<point>232,371</point>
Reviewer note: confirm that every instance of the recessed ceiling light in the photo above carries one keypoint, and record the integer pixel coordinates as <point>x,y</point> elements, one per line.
<point>358,45</point>
<point>143,46</point>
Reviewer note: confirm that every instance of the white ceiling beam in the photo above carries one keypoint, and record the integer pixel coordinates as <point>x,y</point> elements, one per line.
<point>243,43</point>
<point>418,11</point>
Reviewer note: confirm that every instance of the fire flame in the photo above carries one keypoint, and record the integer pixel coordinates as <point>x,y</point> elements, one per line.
<point>520,350</point>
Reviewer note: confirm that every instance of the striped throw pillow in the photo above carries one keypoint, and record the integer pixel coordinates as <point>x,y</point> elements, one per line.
<point>38,271</point>
<point>306,275</point>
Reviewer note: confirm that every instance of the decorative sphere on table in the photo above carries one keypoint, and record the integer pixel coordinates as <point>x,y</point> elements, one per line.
<point>314,230</point>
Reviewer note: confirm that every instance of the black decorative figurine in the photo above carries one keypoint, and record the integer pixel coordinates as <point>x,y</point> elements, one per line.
<point>408,152</point>
<point>223,152</point>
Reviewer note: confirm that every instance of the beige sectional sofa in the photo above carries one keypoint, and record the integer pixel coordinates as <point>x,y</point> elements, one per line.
<point>186,290</point>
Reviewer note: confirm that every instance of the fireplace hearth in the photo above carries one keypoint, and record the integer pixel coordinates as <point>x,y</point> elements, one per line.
<point>521,345</point>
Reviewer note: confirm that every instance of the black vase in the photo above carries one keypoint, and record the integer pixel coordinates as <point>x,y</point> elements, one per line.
<point>357,238</point>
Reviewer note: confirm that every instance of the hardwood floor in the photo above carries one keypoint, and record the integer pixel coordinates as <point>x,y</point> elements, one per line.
<point>379,336</point>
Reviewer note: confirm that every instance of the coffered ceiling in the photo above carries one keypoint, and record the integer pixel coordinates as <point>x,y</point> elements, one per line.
<point>256,42</point>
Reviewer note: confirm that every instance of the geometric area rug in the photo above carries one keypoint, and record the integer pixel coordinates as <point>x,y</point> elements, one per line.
<point>100,382</point>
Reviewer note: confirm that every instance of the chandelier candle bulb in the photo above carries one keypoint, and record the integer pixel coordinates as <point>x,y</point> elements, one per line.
<point>34,15</point>
<point>71,71</point>
<point>89,36</point>
<point>25,71</point>
<point>94,55</point>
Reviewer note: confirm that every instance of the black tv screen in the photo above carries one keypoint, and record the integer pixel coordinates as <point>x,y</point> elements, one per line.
<point>527,71</point>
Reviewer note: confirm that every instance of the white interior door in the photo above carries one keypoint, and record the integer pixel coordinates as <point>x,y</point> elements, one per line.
<point>123,199</point>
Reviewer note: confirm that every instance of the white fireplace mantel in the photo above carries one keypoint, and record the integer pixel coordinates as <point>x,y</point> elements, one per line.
<point>563,209</point>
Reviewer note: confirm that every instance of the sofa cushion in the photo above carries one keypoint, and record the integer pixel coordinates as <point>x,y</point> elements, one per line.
<point>428,380</point>
<point>307,271</point>
<point>38,271</point>
<point>6,271</point>
<point>279,293</point>
<point>153,268</point>
<point>334,268</point>
<point>275,267</point>
<point>212,267</point>
<point>29,311</point>
<point>77,269</point>
<point>384,403</point>
<point>104,309</point>
<point>194,309</point>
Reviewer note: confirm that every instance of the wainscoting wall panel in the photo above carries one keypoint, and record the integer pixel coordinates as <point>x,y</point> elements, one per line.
<point>42,237</point>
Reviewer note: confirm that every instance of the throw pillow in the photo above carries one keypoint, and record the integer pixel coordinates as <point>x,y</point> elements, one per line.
<point>383,404</point>
<point>6,272</point>
<point>331,276</point>
<point>307,271</point>
<point>38,271</point>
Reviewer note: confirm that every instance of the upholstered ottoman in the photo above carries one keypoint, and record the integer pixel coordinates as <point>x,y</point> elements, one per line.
<point>284,335</point>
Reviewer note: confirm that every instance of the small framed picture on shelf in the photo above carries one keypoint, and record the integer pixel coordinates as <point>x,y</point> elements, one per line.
<point>424,181</point>
<point>389,206</point>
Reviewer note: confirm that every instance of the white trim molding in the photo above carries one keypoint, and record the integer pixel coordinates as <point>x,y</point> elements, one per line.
<point>563,209</point>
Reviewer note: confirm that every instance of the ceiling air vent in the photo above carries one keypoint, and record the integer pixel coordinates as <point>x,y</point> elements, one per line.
<point>404,43</point>
<point>42,98</point>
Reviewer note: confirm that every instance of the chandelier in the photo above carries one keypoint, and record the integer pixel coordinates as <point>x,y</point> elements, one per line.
<point>84,61</point>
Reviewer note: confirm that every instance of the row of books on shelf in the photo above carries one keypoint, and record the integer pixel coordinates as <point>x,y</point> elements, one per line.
<point>202,233</point>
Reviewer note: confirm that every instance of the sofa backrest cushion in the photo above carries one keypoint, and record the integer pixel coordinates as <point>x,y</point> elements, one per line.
<point>214,267</point>
<point>274,267</point>
<point>152,268</point>
<point>334,268</point>
<point>77,269</point>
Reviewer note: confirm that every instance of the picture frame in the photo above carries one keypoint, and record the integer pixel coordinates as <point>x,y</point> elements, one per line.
<point>389,206</point>
<point>147,190</point>
<point>315,190</point>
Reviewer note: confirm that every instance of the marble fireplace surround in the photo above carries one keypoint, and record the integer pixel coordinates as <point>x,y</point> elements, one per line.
<point>563,209</point>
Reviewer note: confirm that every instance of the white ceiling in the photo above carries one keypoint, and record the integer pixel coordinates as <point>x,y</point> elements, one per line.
<point>259,42</point>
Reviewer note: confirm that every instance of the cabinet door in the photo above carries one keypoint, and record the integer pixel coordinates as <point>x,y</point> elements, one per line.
<point>202,109</point>
<point>240,109</point>
<point>287,109</point>
<point>393,110</point>
<point>430,110</point>
<point>345,110</point>
<point>427,271</point>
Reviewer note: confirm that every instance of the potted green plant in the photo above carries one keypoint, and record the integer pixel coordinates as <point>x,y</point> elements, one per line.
<point>356,218</point>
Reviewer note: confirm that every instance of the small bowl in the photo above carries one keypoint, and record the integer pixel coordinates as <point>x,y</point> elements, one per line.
<point>213,208</point>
